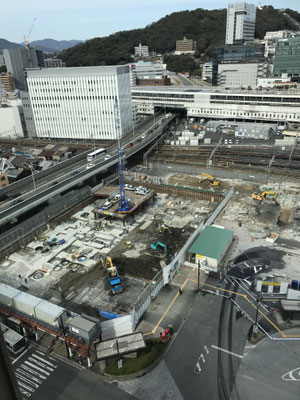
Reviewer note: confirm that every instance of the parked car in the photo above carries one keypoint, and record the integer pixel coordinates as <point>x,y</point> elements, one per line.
<point>143,136</point>
<point>73,173</point>
<point>107,157</point>
<point>129,187</point>
<point>90,165</point>
<point>117,197</point>
<point>107,205</point>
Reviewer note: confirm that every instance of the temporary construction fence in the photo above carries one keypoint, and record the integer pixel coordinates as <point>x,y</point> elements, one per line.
<point>125,325</point>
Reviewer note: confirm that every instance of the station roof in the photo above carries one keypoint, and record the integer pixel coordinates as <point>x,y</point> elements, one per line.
<point>211,242</point>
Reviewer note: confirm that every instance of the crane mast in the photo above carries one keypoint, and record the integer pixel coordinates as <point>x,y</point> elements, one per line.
<point>123,203</point>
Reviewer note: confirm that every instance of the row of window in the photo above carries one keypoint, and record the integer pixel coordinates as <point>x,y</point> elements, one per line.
<point>256,99</point>
<point>73,98</point>
<point>245,113</point>
<point>60,82</point>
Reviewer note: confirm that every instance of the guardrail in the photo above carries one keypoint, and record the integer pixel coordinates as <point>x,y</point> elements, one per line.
<point>68,183</point>
<point>27,182</point>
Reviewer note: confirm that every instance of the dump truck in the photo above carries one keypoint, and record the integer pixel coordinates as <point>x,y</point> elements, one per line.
<point>113,275</point>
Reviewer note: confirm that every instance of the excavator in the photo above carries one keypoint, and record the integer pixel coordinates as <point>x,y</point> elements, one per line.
<point>213,181</point>
<point>164,229</point>
<point>155,246</point>
<point>261,195</point>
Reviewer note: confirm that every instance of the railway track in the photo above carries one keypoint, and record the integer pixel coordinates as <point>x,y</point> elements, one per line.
<point>224,156</point>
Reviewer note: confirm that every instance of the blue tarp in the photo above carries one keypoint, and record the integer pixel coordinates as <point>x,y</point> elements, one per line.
<point>108,315</point>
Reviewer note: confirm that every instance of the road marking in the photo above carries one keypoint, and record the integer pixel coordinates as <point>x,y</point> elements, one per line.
<point>169,307</point>
<point>21,355</point>
<point>197,368</point>
<point>290,377</point>
<point>226,351</point>
<point>206,349</point>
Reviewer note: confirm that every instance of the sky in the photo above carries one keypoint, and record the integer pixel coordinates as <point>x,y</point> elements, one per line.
<point>86,19</point>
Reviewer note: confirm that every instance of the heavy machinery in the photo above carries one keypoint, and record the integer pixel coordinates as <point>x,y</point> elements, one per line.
<point>261,195</point>
<point>213,181</point>
<point>156,245</point>
<point>164,229</point>
<point>112,274</point>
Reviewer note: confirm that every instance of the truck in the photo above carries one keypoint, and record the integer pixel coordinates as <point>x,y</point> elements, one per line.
<point>113,276</point>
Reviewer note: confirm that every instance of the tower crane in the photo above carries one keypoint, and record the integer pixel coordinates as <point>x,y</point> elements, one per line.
<point>123,203</point>
<point>26,38</point>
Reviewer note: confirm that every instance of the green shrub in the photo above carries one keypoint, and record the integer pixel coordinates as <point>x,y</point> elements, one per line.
<point>145,358</point>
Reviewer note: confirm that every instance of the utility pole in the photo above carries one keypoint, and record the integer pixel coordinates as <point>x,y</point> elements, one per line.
<point>31,168</point>
<point>255,327</point>
<point>199,262</point>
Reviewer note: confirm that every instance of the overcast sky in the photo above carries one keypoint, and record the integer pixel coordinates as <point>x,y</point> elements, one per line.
<point>86,19</point>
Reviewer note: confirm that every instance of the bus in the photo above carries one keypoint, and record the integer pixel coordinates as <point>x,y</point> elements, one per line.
<point>95,154</point>
<point>15,342</point>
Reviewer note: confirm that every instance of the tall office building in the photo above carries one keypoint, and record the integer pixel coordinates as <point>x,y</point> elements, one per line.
<point>17,60</point>
<point>78,103</point>
<point>287,58</point>
<point>240,25</point>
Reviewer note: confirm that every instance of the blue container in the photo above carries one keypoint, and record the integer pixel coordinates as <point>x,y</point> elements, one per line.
<point>295,284</point>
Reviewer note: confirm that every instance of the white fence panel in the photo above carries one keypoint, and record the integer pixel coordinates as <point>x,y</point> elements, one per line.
<point>117,327</point>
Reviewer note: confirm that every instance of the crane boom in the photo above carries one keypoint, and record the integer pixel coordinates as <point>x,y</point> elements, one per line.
<point>26,38</point>
<point>123,203</point>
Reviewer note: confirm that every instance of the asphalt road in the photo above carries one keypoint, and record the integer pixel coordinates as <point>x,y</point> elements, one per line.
<point>42,376</point>
<point>206,354</point>
<point>185,81</point>
<point>270,370</point>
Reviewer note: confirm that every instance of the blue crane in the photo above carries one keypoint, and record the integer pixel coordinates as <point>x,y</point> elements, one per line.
<point>123,203</point>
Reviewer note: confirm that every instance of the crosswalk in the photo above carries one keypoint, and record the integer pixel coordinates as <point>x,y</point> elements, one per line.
<point>34,371</point>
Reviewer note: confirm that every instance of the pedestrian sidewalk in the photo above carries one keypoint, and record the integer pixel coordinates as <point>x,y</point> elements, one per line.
<point>172,303</point>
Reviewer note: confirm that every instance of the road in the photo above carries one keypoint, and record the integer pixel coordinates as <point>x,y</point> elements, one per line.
<point>43,183</point>
<point>204,357</point>
<point>42,376</point>
<point>206,354</point>
<point>184,81</point>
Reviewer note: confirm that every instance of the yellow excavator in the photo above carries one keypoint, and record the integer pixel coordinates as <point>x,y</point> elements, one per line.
<point>213,181</point>
<point>261,195</point>
<point>107,263</point>
<point>164,229</point>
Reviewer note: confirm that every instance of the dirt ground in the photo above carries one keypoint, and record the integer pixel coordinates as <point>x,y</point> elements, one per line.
<point>148,262</point>
<point>194,181</point>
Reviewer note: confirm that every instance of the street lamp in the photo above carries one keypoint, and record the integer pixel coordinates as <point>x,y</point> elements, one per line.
<point>31,168</point>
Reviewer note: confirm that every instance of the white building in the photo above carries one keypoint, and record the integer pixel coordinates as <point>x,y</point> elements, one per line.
<point>207,71</point>
<point>218,103</point>
<point>146,70</point>
<point>240,25</point>
<point>236,75</point>
<point>78,103</point>
<point>141,51</point>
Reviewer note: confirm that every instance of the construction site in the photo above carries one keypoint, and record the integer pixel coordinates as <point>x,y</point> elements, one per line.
<point>103,278</point>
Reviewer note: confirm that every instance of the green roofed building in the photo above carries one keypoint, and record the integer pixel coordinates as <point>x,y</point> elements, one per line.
<point>211,245</point>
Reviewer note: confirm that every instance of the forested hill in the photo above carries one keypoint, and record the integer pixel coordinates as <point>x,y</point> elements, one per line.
<point>207,27</point>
